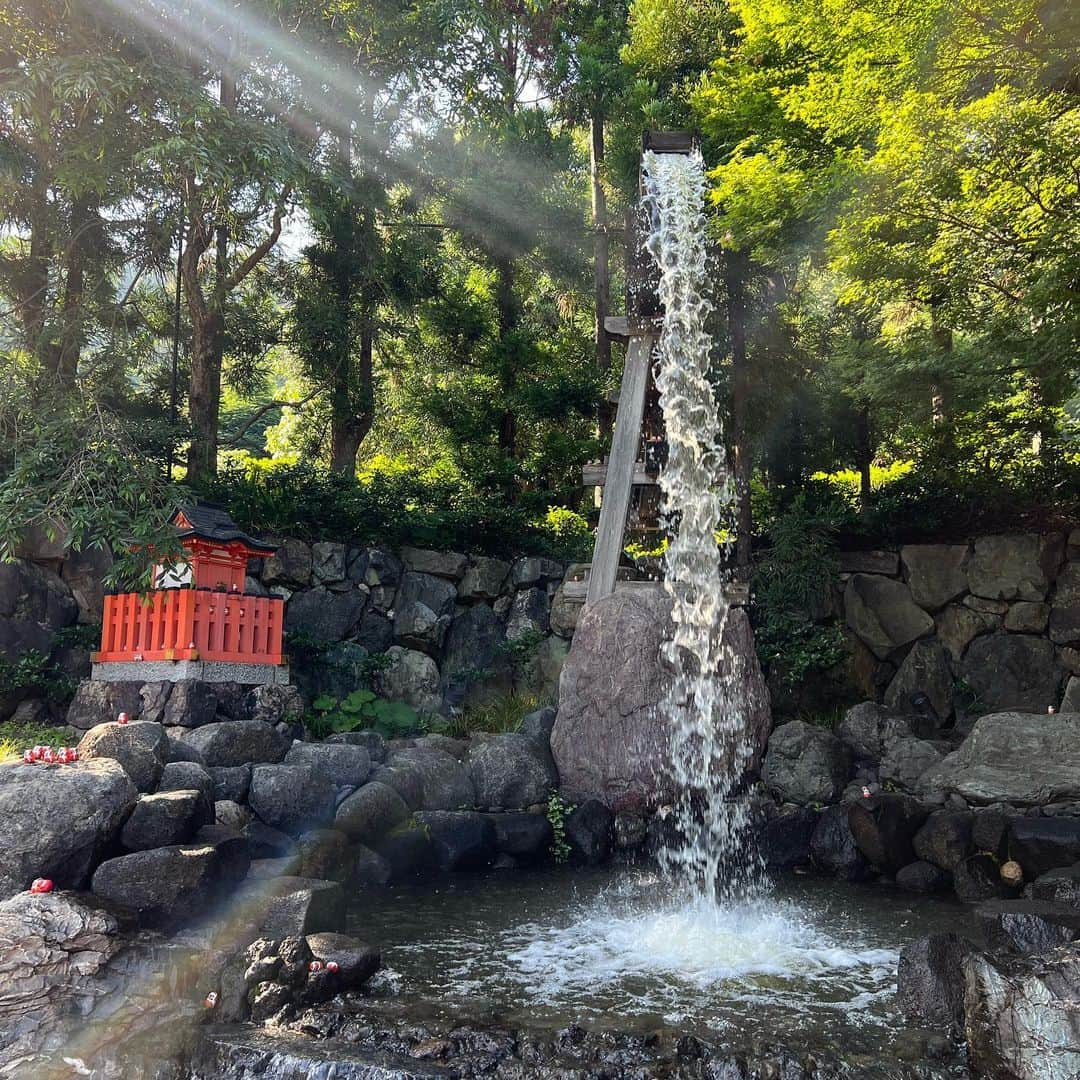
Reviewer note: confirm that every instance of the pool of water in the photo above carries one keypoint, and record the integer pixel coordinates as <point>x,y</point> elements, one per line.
<point>811,966</point>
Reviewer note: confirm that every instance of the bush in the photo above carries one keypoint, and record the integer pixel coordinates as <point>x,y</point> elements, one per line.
<point>393,506</point>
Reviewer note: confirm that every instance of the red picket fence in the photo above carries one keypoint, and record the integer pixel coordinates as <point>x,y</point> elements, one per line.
<point>192,624</point>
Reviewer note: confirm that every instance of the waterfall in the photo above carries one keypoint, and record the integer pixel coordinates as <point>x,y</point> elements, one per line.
<point>712,853</point>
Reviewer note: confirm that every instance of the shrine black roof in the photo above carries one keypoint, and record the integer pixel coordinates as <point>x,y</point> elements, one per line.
<point>209,521</point>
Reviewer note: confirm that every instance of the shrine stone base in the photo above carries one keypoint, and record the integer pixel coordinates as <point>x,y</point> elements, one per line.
<point>213,671</point>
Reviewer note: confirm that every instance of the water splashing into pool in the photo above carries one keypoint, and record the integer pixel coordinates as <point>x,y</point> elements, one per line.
<point>710,747</point>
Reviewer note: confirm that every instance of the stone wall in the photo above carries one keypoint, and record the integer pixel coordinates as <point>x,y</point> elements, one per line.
<point>985,626</point>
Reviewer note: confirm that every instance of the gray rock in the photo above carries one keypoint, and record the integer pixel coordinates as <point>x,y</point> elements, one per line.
<point>419,627</point>
<point>907,760</point>
<point>564,614</point>
<point>370,812</point>
<point>101,702</point>
<point>833,847</point>
<point>291,797</point>
<point>883,614</point>
<point>154,696</point>
<point>945,840</point>
<point>930,980</point>
<point>590,831</point>
<point>884,827</point>
<point>1040,844</point>
<point>610,739</point>
<point>411,677</point>
<point>59,819</point>
<point>191,704</point>
<point>869,562</point>
<point>232,815</point>
<point>187,776</point>
<point>1027,617</point>
<point>935,573</point>
<point>1031,927</point>
<point>1012,671</point>
<point>34,603</point>
<point>433,592</point>
<point>445,782</point>
<point>168,817</point>
<point>533,570</point>
<point>529,613</point>
<point>297,906</point>
<point>369,867</point>
<point>444,564</point>
<point>375,632</point>
<point>238,742</point>
<point>806,764</point>
<point>539,725</point>
<point>140,747</point>
<point>406,779</point>
<point>290,565</point>
<point>1070,701</point>
<point>922,877</point>
<point>275,704</point>
<point>1015,567</point>
<point>1065,624</point>
<point>785,835</point>
<point>342,765</point>
<point>460,839</point>
<point>356,960</point>
<point>512,771</point>
<point>631,830</point>
<point>327,562</point>
<point>484,579</point>
<point>231,781</point>
<point>986,768</point>
<point>979,878</point>
<point>324,614</point>
<point>985,606</point>
<point>322,853</point>
<point>1060,886</point>
<point>179,750</point>
<point>371,741</point>
<point>84,574</point>
<point>162,884</point>
<point>524,836</point>
<point>869,729</point>
<point>925,670</point>
<point>539,673</point>
<point>958,626</point>
<point>475,662</point>
<point>1021,1019</point>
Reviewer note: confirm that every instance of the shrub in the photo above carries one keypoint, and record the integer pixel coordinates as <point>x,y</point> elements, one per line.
<point>362,709</point>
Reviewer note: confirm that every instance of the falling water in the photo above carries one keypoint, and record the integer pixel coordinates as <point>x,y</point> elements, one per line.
<point>710,749</point>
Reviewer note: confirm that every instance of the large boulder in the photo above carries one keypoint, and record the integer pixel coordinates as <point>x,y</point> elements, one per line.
<point>1021,1019</point>
<point>58,820</point>
<point>289,906</point>
<point>412,677</point>
<point>375,567</point>
<point>833,847</point>
<point>444,564</point>
<point>84,573</point>
<point>356,960</point>
<point>935,573</point>
<point>958,626</point>
<point>191,703</point>
<point>930,980</point>
<point>141,748</point>
<point>188,776</point>
<point>433,592</point>
<point>274,703</point>
<point>805,764</point>
<point>419,627</point>
<point>1013,671</point>
<point>168,817</point>
<point>1040,844</point>
<point>539,673</point>
<point>324,614</point>
<point>444,782</point>
<point>343,765</point>
<point>460,839</point>
<point>946,838</point>
<point>96,702</point>
<point>163,884</point>
<point>291,797</point>
<point>925,670</point>
<point>1015,567</point>
<point>371,811</point>
<point>53,949</point>
<point>328,562</point>
<point>511,771</point>
<point>907,761</point>
<point>611,739</point>
<point>476,664</point>
<point>884,827</point>
<point>238,742</point>
<point>988,769</point>
<point>869,729</point>
<point>590,831</point>
<point>1031,927</point>
<point>524,836</point>
<point>530,613</point>
<point>883,614</point>
<point>290,565</point>
<point>484,579</point>
<point>34,603</point>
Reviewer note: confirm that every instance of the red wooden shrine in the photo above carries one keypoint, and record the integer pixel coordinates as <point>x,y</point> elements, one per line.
<point>199,609</point>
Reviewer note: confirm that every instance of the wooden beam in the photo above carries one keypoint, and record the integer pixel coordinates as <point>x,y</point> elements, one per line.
<point>594,474</point>
<point>620,472</point>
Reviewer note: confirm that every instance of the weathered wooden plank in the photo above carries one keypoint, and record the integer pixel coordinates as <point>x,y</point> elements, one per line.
<point>595,473</point>
<point>620,475</point>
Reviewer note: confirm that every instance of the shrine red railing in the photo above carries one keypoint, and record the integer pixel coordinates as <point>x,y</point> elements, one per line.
<point>192,624</point>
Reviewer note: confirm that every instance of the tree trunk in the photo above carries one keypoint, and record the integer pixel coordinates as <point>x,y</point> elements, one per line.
<point>736,271</point>
<point>352,406</point>
<point>864,451</point>
<point>83,217</point>
<point>506,305</point>
<point>207,345</point>
<point>601,269</point>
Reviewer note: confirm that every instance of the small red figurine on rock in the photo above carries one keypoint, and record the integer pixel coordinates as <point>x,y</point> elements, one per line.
<point>42,885</point>
<point>332,965</point>
<point>314,966</point>
<point>122,718</point>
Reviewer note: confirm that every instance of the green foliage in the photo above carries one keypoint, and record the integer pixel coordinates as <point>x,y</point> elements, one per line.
<point>34,672</point>
<point>504,714</point>
<point>557,811</point>
<point>15,738</point>
<point>791,587</point>
<point>362,709</point>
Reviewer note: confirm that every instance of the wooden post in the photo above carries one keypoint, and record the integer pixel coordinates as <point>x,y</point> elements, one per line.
<point>620,472</point>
